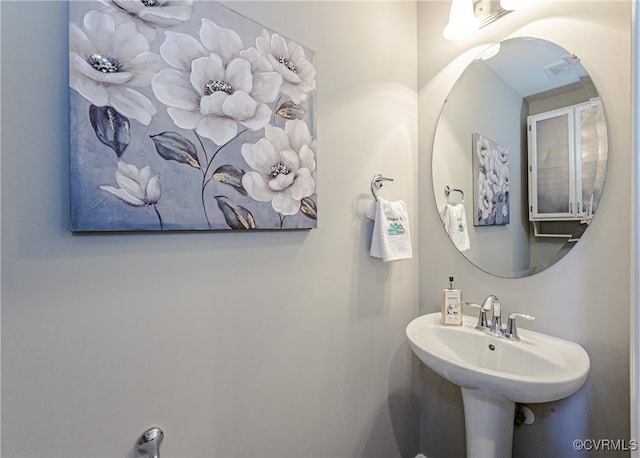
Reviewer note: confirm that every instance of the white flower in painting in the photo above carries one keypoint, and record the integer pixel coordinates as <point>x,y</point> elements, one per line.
<point>485,196</point>
<point>498,170</point>
<point>156,13</point>
<point>107,60</point>
<point>283,166</point>
<point>482,147</point>
<point>137,187</point>
<point>503,154</point>
<point>504,176</point>
<point>493,168</point>
<point>150,14</point>
<point>289,60</point>
<point>214,86</point>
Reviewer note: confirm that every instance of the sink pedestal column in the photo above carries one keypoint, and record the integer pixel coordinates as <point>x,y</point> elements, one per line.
<point>488,424</point>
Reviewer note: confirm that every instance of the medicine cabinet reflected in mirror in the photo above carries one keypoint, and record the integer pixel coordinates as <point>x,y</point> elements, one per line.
<point>521,146</point>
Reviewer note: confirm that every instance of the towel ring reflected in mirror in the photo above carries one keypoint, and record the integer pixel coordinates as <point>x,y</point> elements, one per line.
<point>448,190</point>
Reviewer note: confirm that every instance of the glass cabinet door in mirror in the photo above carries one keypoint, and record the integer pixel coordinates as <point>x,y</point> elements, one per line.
<point>523,136</point>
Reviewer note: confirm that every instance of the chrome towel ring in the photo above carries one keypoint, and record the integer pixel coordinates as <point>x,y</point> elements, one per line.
<point>376,183</point>
<point>448,190</point>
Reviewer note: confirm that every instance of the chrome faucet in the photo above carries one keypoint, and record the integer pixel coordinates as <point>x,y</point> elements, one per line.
<point>492,303</point>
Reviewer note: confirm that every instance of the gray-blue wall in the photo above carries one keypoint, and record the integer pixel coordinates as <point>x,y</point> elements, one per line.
<point>111,334</point>
<point>586,296</point>
<point>281,344</point>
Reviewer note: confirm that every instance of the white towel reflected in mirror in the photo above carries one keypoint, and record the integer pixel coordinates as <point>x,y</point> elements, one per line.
<point>455,224</point>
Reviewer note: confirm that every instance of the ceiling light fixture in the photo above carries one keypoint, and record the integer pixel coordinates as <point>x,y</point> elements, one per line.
<point>467,16</point>
<point>512,5</point>
<point>462,20</point>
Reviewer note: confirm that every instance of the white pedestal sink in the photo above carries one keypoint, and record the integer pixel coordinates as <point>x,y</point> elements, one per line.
<point>495,373</point>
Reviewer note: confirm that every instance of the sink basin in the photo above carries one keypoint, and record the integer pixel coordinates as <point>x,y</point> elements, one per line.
<point>538,368</point>
<point>495,373</point>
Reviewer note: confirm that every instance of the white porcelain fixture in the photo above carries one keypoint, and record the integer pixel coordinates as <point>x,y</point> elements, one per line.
<point>496,373</point>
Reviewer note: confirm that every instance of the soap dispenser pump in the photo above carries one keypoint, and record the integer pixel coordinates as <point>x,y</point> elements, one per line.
<point>451,305</point>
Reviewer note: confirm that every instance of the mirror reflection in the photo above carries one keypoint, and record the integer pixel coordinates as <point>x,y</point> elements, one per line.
<point>520,157</point>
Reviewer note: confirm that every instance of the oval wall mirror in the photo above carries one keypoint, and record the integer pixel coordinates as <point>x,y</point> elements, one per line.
<point>520,157</point>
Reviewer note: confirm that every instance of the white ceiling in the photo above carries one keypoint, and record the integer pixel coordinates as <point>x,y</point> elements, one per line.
<point>521,63</point>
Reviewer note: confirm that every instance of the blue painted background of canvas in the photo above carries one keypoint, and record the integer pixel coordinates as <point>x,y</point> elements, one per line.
<point>93,164</point>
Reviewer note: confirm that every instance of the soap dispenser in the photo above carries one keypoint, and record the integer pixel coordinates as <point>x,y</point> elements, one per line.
<point>451,305</point>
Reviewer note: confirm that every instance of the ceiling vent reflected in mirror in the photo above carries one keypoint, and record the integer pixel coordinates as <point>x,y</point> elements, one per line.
<point>568,64</point>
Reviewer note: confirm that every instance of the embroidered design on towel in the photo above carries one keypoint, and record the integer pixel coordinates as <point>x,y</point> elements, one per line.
<point>396,229</point>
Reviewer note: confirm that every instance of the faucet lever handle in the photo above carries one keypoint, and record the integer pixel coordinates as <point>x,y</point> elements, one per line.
<point>512,331</point>
<point>513,316</point>
<point>482,316</point>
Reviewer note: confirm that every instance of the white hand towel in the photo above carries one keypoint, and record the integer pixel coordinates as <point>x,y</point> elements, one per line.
<point>376,248</point>
<point>455,223</point>
<point>391,238</point>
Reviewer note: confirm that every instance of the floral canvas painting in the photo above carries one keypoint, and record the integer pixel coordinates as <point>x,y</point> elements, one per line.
<point>491,169</point>
<point>186,115</point>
